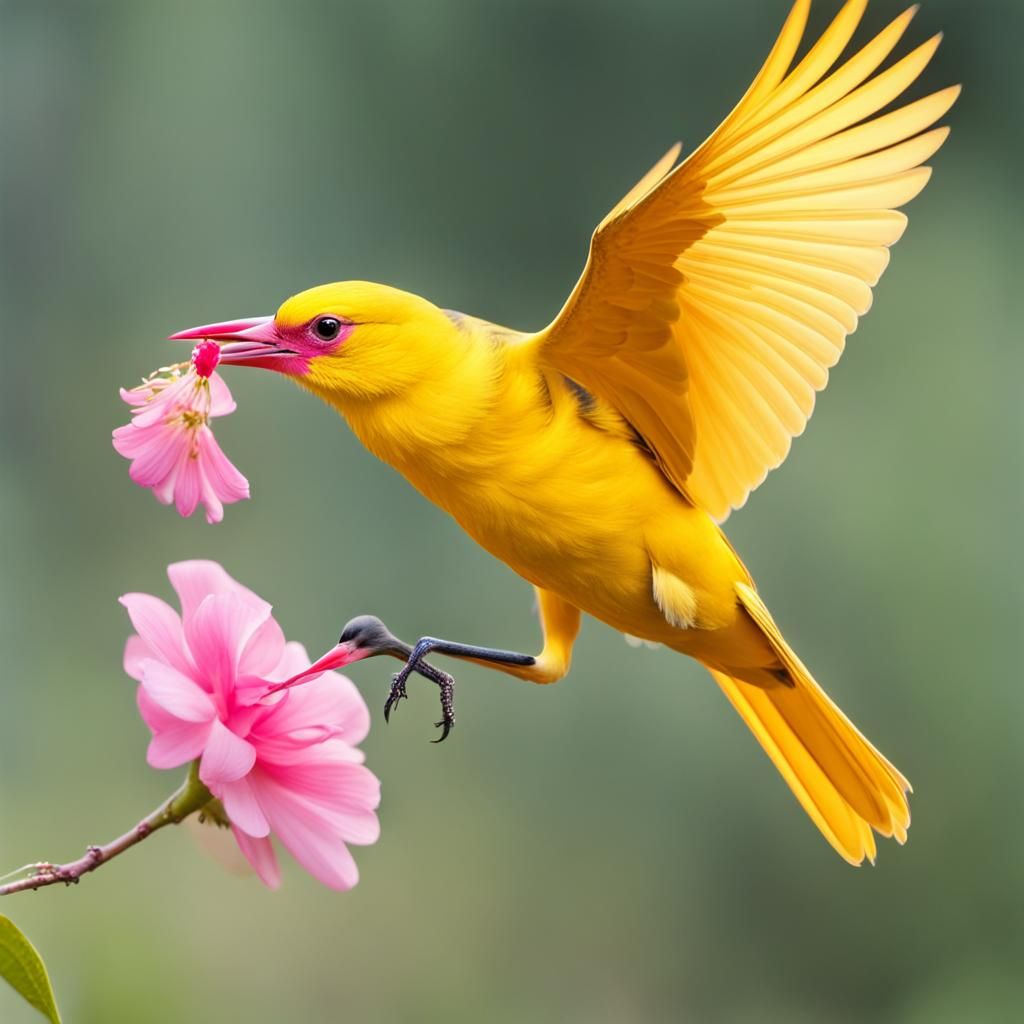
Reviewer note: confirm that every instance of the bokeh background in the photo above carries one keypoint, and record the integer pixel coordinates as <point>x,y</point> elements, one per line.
<point>615,848</point>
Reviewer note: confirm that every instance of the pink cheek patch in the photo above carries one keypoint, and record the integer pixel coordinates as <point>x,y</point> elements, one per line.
<point>326,348</point>
<point>296,365</point>
<point>310,346</point>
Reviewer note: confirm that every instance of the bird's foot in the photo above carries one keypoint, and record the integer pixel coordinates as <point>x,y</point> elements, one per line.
<point>447,687</point>
<point>397,693</point>
<point>445,683</point>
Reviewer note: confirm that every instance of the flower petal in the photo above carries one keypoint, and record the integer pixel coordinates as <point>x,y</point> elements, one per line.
<point>217,634</point>
<point>331,700</point>
<point>263,651</point>
<point>172,448</point>
<point>137,396</point>
<point>136,651</point>
<point>177,746</point>
<point>342,794</point>
<point>164,491</point>
<point>224,479</point>
<point>197,578</point>
<point>294,659</point>
<point>169,399</point>
<point>214,507</point>
<point>187,487</point>
<point>221,402</point>
<point>227,757</point>
<point>155,452</point>
<point>153,715</point>
<point>130,441</point>
<point>314,845</point>
<point>159,626</point>
<point>176,693</point>
<point>260,854</point>
<point>243,809</point>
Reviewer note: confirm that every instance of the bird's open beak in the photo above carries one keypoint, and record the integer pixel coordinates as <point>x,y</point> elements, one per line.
<point>253,342</point>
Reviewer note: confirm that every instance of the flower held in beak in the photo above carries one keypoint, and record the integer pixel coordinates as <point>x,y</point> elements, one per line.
<point>169,440</point>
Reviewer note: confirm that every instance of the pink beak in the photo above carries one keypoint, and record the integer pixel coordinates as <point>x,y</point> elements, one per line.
<point>254,342</point>
<point>336,657</point>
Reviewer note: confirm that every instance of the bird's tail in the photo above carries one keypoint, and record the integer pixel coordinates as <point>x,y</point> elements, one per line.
<point>846,786</point>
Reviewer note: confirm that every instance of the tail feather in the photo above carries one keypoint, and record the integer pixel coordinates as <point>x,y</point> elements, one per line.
<point>846,786</point>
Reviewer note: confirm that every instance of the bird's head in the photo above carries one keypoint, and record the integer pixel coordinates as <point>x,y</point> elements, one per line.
<point>352,340</point>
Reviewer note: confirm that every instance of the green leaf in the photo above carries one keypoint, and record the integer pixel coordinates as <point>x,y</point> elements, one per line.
<point>22,967</point>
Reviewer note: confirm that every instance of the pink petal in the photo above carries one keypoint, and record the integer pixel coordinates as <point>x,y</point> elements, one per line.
<point>293,660</point>
<point>280,752</point>
<point>197,579</point>
<point>260,854</point>
<point>227,757</point>
<point>221,402</point>
<point>168,401</point>
<point>224,479</point>
<point>243,809</point>
<point>153,715</point>
<point>136,396</point>
<point>310,842</point>
<point>333,700</point>
<point>164,491</point>
<point>263,651</point>
<point>129,441</point>
<point>176,693</point>
<point>213,505</point>
<point>217,634</point>
<point>136,650</point>
<point>156,453</point>
<point>342,794</point>
<point>160,628</point>
<point>353,715</point>
<point>177,746</point>
<point>187,486</point>
<point>328,785</point>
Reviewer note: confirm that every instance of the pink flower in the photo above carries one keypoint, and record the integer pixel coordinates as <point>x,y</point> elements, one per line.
<point>170,443</point>
<point>283,762</point>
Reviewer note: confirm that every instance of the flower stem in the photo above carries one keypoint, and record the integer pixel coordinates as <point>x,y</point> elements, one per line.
<point>191,797</point>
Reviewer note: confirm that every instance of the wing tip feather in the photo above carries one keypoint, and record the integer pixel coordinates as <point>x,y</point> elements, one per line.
<point>891,191</point>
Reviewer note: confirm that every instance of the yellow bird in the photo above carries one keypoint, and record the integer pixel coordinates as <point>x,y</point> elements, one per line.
<point>598,456</point>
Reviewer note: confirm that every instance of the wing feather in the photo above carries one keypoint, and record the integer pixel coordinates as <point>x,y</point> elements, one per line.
<point>718,293</point>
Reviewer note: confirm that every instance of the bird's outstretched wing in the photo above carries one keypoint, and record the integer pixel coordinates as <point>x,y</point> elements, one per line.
<point>717,294</point>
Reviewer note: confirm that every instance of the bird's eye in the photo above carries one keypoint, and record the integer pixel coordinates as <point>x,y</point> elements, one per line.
<point>326,328</point>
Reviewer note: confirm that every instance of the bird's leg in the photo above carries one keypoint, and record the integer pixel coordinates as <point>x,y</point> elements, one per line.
<point>560,622</point>
<point>366,637</point>
<point>415,663</point>
<point>445,683</point>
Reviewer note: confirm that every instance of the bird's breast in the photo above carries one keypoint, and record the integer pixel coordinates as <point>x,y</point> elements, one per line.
<point>566,498</point>
<point>563,504</point>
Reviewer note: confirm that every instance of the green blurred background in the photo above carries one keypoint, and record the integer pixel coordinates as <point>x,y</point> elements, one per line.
<point>615,848</point>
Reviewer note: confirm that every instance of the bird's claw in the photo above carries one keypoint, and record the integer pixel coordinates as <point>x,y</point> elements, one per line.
<point>445,683</point>
<point>398,693</point>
